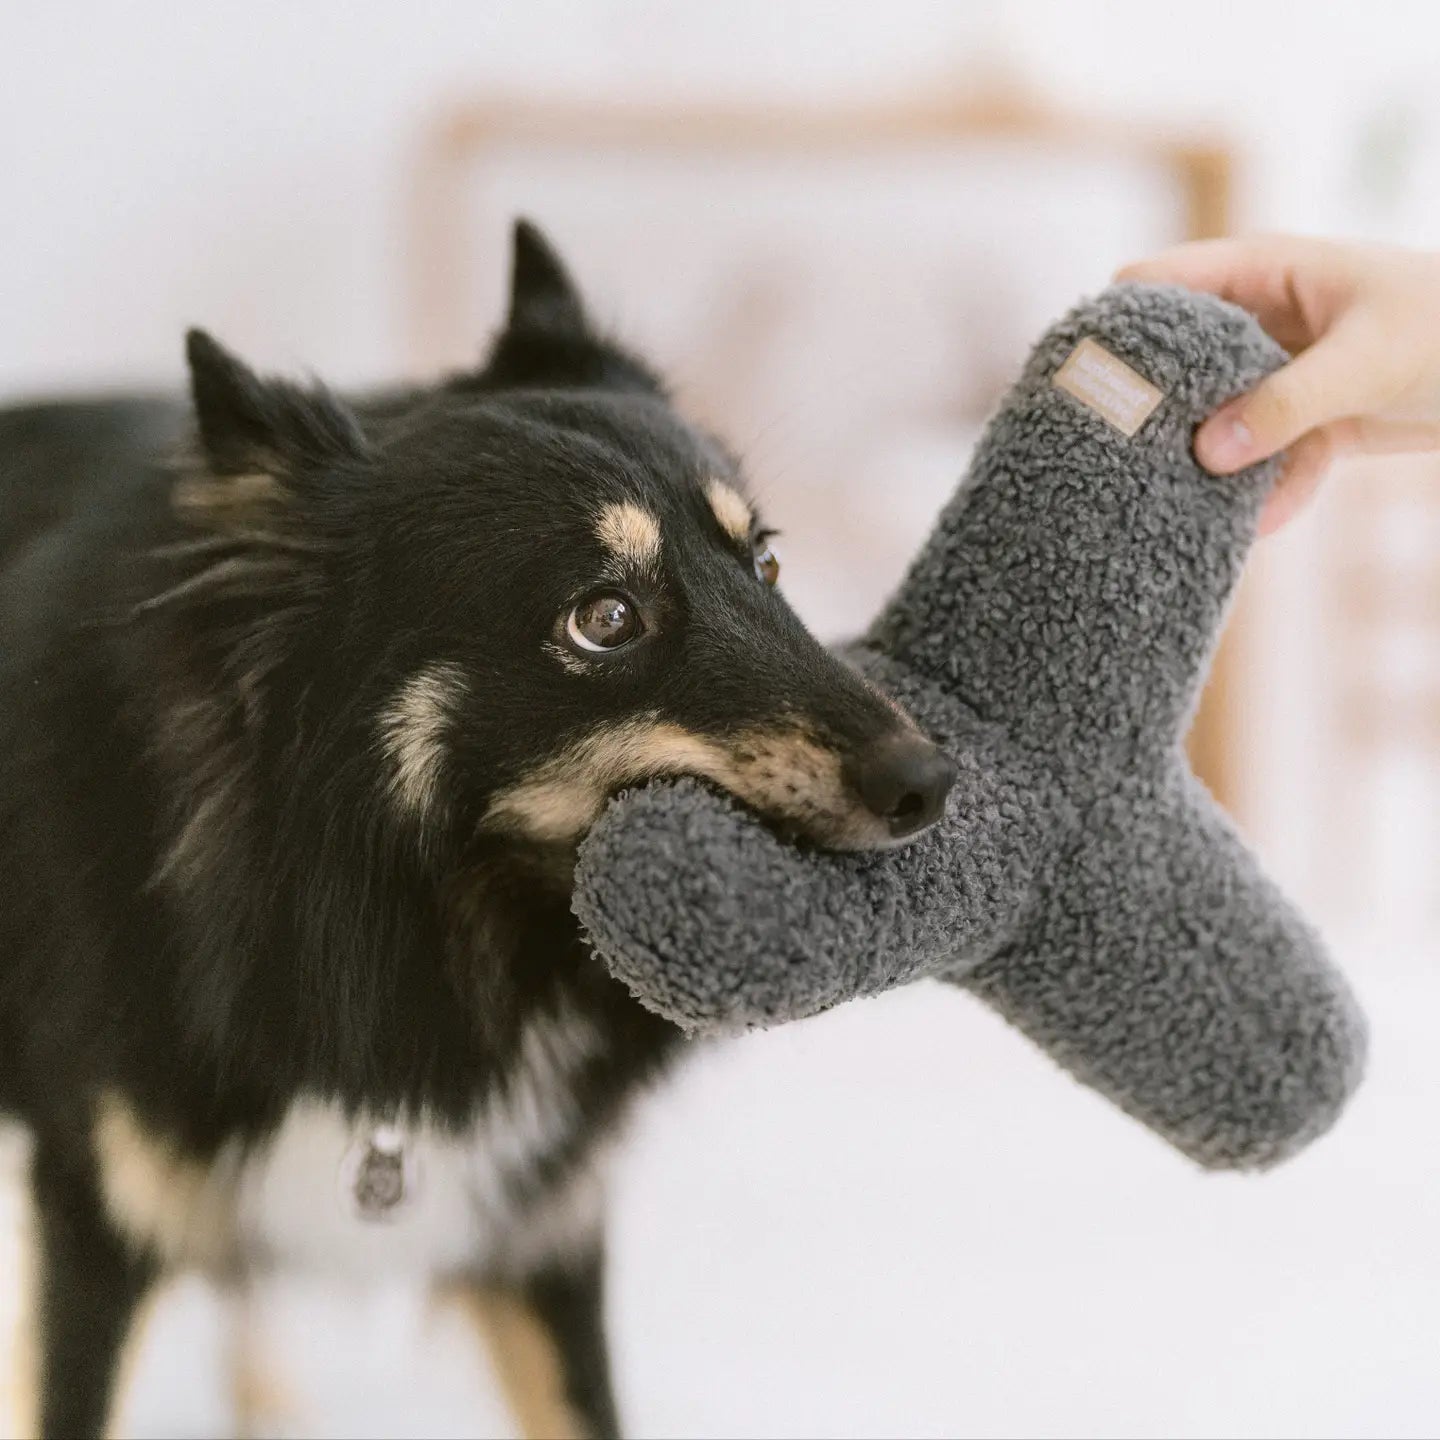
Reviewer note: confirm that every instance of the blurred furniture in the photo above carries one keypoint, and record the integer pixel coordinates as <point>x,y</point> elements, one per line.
<point>975,111</point>
<point>1385,602</point>
<point>1381,617</point>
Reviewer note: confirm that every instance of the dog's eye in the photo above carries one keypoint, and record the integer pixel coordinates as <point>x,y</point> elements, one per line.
<point>603,622</point>
<point>767,564</point>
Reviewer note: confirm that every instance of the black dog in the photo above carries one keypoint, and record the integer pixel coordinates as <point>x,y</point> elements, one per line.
<point>301,718</point>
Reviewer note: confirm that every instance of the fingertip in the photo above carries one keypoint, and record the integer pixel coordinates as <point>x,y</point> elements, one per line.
<point>1225,443</point>
<point>1203,265</point>
<point>1155,270</point>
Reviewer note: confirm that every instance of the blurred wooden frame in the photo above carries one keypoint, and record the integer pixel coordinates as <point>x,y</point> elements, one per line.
<point>442,249</point>
<point>1374,593</point>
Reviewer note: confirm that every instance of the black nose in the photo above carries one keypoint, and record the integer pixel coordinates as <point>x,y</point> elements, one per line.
<point>903,779</point>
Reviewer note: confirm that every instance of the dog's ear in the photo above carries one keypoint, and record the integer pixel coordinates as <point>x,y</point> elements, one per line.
<point>249,423</point>
<point>548,339</point>
<point>542,295</point>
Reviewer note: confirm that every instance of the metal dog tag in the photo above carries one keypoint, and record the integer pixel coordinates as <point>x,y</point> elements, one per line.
<point>379,1175</point>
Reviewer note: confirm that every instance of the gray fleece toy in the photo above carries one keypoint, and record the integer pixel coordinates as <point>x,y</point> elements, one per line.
<point>1052,636</point>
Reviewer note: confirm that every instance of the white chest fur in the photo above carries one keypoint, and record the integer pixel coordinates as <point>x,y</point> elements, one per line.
<point>296,1205</point>
<point>292,1202</point>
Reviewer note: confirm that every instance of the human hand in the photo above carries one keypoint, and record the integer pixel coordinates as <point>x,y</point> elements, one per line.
<point>1363,322</point>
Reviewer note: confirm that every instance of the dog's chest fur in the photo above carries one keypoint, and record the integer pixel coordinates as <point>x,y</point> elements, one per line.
<point>520,1184</point>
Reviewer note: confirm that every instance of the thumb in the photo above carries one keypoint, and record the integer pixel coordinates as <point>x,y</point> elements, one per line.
<point>1330,379</point>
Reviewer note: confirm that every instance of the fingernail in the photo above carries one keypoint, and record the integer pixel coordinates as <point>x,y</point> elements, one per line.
<point>1224,443</point>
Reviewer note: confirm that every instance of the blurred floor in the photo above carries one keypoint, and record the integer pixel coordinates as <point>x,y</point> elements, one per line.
<point>1000,1254</point>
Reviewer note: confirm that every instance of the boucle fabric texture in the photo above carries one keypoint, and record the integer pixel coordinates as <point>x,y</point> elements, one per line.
<point>1052,635</point>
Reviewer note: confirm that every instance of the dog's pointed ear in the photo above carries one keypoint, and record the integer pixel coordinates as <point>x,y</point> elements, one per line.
<point>548,338</point>
<point>249,423</point>
<point>542,294</point>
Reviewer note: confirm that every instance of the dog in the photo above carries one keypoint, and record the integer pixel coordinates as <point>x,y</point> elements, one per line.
<point>305,705</point>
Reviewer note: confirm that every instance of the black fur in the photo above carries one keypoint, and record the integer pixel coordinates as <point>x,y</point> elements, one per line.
<point>212,904</point>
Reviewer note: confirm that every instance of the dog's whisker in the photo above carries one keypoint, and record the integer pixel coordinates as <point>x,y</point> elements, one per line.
<point>245,539</point>
<point>233,574</point>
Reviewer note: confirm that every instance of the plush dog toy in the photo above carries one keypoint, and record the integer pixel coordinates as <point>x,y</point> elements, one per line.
<point>1052,636</point>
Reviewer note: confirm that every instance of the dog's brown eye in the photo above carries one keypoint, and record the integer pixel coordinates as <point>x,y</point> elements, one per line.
<point>767,565</point>
<point>603,622</point>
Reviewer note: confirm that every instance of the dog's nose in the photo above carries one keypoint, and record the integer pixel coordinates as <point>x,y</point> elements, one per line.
<point>903,779</point>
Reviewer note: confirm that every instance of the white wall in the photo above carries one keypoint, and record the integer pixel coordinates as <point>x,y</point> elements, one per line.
<point>241,165</point>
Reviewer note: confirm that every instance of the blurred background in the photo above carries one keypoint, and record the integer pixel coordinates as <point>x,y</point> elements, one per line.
<point>838,227</point>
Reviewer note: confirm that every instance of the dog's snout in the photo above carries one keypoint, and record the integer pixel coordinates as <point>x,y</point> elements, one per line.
<point>904,780</point>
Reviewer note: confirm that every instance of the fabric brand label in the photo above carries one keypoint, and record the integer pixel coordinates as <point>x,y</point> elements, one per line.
<point>1108,386</point>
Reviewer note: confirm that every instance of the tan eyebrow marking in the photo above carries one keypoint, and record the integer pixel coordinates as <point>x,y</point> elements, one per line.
<point>731,510</point>
<point>630,533</point>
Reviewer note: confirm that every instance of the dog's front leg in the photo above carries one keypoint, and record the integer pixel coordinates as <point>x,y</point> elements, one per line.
<point>88,1282</point>
<point>546,1340</point>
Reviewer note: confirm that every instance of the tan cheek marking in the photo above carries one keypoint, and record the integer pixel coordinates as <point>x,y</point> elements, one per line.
<point>731,510</point>
<point>785,774</point>
<point>561,799</point>
<point>527,1362</point>
<point>413,727</point>
<point>180,1208</point>
<point>631,534</point>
